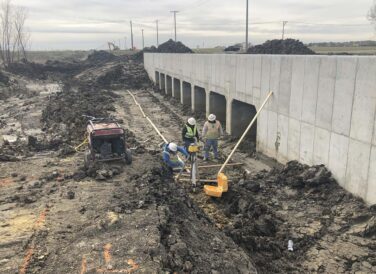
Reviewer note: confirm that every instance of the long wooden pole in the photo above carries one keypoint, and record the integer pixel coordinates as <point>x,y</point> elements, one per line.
<point>245,133</point>
<point>147,118</point>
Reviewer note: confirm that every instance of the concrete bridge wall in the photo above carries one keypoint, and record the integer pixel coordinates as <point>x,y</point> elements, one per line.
<point>322,112</point>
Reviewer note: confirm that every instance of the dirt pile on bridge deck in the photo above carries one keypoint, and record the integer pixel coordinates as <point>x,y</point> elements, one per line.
<point>169,46</point>
<point>278,46</point>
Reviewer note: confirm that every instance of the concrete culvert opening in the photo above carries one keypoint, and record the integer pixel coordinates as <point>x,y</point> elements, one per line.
<point>218,106</point>
<point>241,115</point>
<point>163,83</point>
<point>176,91</point>
<point>157,79</point>
<point>200,100</point>
<point>187,94</point>
<point>169,85</point>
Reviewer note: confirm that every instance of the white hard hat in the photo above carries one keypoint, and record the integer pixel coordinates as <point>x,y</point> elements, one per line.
<point>192,121</point>
<point>173,147</point>
<point>212,117</point>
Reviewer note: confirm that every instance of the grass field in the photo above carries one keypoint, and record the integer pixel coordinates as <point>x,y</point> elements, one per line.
<point>349,50</point>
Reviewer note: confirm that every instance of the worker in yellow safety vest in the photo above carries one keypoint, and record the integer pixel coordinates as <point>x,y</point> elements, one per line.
<point>190,132</point>
<point>211,132</point>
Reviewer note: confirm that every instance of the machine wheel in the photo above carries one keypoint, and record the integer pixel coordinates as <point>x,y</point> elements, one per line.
<point>128,157</point>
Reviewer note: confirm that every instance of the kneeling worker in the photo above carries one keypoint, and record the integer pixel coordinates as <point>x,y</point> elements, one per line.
<point>190,132</point>
<point>170,155</point>
<point>212,131</point>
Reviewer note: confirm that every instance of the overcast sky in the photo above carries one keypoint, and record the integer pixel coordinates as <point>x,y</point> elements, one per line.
<point>89,24</point>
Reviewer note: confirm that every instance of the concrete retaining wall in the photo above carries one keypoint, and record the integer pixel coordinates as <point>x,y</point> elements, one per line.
<point>322,112</point>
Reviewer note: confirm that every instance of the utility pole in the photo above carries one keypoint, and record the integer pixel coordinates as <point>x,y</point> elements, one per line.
<point>157,33</point>
<point>143,41</point>
<point>132,36</point>
<point>283,29</point>
<point>175,12</point>
<point>246,30</point>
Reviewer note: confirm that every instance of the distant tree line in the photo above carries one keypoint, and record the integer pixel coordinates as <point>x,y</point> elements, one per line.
<point>367,43</point>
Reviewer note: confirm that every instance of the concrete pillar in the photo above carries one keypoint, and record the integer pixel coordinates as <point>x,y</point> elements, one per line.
<point>193,97</point>
<point>228,114</point>
<point>207,98</point>
<point>181,91</point>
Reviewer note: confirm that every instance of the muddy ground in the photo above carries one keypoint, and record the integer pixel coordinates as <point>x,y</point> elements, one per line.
<point>57,217</point>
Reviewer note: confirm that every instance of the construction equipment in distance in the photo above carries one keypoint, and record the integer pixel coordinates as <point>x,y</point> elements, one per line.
<point>222,180</point>
<point>112,46</point>
<point>106,142</point>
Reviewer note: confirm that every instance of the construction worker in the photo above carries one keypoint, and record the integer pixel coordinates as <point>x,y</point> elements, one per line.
<point>170,155</point>
<point>190,132</point>
<point>212,131</point>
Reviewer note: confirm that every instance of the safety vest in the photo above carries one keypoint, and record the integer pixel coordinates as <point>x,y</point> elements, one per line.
<point>191,133</point>
<point>213,130</point>
<point>173,157</point>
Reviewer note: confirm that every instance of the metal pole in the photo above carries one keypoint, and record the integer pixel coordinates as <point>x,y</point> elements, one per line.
<point>246,30</point>
<point>132,36</point>
<point>143,41</point>
<point>157,33</point>
<point>283,29</point>
<point>175,12</point>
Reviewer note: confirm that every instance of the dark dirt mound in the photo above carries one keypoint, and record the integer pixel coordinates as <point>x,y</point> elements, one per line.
<point>101,57</point>
<point>65,110</point>
<point>4,79</point>
<point>295,202</point>
<point>287,46</point>
<point>51,69</point>
<point>130,75</point>
<point>190,243</point>
<point>173,47</point>
<point>167,47</point>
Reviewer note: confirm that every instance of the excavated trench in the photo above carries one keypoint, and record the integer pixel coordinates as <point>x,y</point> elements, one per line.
<point>59,218</point>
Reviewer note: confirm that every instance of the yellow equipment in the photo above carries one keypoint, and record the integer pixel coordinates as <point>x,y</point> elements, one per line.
<point>222,180</point>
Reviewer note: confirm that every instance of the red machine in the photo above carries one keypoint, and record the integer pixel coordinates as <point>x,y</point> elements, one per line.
<point>106,142</point>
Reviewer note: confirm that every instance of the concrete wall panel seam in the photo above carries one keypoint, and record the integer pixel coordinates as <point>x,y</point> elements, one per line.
<point>352,106</point>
